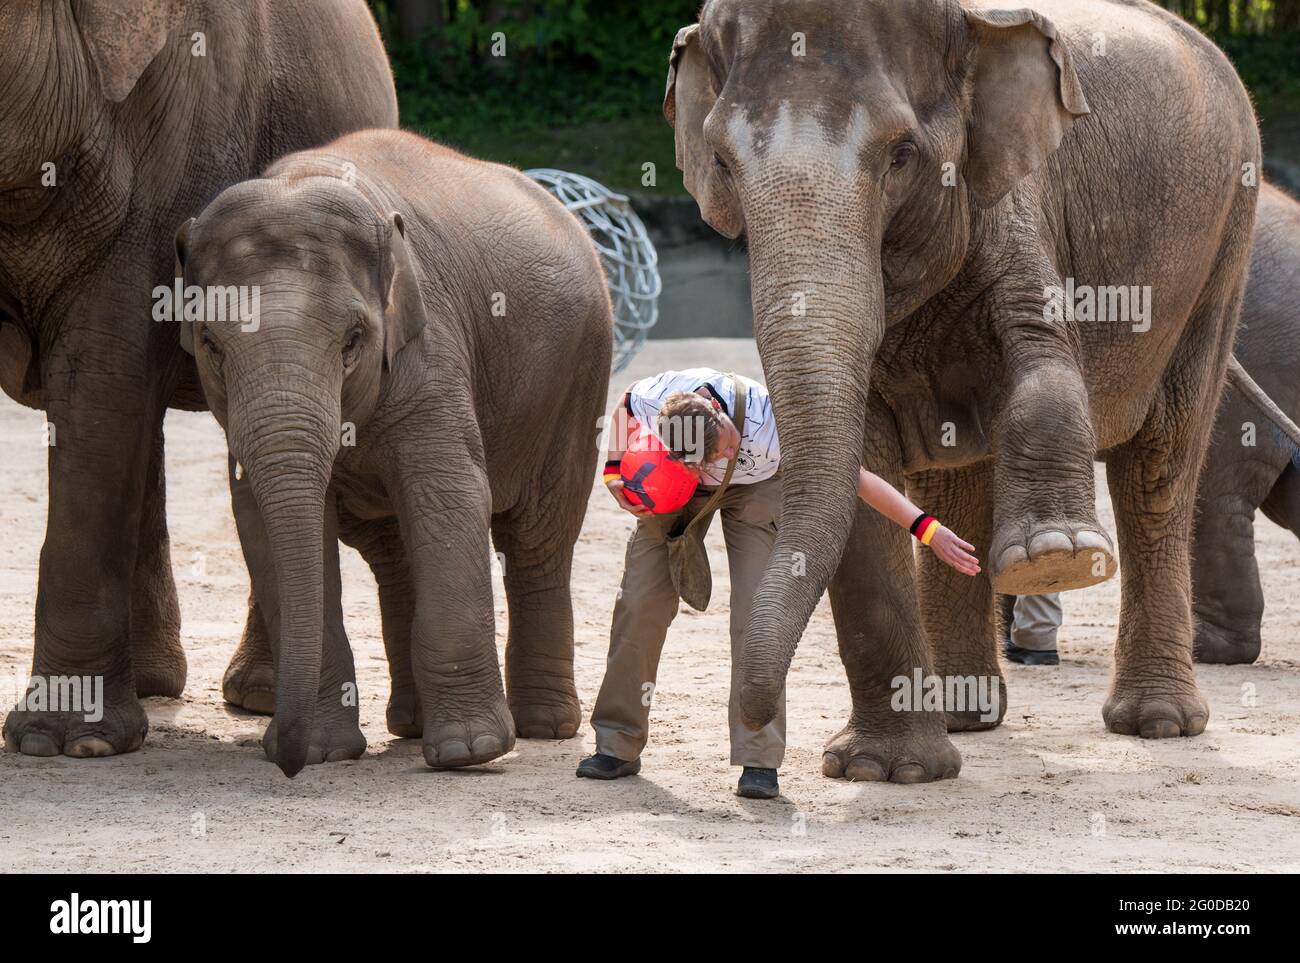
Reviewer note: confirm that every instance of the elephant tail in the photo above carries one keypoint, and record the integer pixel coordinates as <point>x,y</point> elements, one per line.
<point>1240,378</point>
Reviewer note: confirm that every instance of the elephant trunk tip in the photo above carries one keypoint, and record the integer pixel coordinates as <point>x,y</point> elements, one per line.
<point>291,750</point>
<point>757,705</point>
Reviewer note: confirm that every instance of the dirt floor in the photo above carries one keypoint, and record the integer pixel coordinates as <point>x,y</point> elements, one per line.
<point>1049,790</point>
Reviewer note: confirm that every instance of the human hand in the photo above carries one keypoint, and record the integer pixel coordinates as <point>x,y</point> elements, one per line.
<point>615,487</point>
<point>952,551</point>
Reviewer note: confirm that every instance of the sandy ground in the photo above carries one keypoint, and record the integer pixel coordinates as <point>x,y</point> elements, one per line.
<point>1049,790</point>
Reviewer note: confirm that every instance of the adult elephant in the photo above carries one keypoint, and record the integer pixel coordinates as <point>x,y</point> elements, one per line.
<point>118,120</point>
<point>1250,465</point>
<point>927,189</point>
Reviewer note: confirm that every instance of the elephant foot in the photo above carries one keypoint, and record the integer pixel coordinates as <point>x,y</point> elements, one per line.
<point>451,743</point>
<point>557,717</point>
<point>1219,646</point>
<point>159,666</point>
<point>905,751</point>
<point>1160,709</point>
<point>332,739</point>
<point>107,724</point>
<point>250,684</point>
<point>1039,559</point>
<point>404,715</point>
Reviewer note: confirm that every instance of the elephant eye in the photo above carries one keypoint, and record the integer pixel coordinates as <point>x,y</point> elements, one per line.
<point>902,156</point>
<point>720,163</point>
<point>352,346</point>
<point>212,349</point>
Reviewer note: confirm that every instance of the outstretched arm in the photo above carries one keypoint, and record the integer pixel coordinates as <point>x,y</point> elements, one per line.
<point>893,504</point>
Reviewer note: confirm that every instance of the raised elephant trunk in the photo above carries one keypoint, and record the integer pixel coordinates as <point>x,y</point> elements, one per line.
<point>819,317</point>
<point>286,442</point>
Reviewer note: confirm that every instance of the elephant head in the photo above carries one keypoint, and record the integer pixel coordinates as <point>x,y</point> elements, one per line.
<point>60,62</point>
<point>308,294</point>
<point>853,144</point>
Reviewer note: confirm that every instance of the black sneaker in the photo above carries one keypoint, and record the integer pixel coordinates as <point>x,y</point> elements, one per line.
<point>1015,653</point>
<point>601,766</point>
<point>758,784</point>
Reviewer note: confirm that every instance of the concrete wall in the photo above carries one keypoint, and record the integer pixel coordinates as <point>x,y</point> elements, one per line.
<point>706,276</point>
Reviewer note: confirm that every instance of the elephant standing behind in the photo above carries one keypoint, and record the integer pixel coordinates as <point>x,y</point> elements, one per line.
<point>119,119</point>
<point>1250,464</point>
<point>922,187</point>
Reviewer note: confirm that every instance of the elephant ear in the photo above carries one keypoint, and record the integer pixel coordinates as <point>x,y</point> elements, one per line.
<point>688,101</point>
<point>1025,97</point>
<point>181,245</point>
<point>404,316</point>
<point>122,38</point>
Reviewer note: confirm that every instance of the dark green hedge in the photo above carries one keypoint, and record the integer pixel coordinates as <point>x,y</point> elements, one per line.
<point>582,80</point>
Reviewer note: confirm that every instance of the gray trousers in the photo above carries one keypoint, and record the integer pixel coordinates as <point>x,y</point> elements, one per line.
<point>1037,620</point>
<point>648,603</point>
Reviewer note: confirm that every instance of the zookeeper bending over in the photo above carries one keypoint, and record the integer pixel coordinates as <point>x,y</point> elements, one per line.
<point>677,456</point>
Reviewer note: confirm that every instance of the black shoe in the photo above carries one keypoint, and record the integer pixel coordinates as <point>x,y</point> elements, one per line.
<point>758,784</point>
<point>601,766</point>
<point>1015,653</point>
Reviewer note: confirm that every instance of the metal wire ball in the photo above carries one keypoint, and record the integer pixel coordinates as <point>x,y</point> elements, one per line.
<point>630,260</point>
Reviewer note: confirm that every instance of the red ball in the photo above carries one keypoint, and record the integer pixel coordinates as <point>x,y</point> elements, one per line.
<point>652,477</point>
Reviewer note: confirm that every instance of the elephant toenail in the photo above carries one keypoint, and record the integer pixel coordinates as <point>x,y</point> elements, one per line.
<point>1045,542</point>
<point>909,773</point>
<point>1160,729</point>
<point>487,747</point>
<point>88,747</point>
<point>448,755</point>
<point>1087,541</point>
<point>1012,555</point>
<point>38,744</point>
<point>864,770</point>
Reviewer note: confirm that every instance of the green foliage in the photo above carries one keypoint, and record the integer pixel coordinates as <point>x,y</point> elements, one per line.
<point>581,84</point>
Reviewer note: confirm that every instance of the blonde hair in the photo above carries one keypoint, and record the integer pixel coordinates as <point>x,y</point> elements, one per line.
<point>690,427</point>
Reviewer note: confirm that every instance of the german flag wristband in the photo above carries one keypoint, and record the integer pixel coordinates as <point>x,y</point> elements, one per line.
<point>613,470</point>
<point>924,528</point>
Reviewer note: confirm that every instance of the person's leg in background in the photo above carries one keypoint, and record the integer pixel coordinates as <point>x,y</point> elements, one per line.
<point>749,520</point>
<point>647,604</point>
<point>1036,623</point>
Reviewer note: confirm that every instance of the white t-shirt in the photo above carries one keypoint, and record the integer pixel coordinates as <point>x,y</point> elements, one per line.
<point>760,449</point>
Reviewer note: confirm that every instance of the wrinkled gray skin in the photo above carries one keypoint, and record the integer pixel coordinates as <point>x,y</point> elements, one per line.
<point>141,133</point>
<point>453,317</point>
<point>888,306</point>
<point>1240,478</point>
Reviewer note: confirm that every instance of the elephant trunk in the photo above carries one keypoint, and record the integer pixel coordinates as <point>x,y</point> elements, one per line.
<point>819,317</point>
<point>287,443</point>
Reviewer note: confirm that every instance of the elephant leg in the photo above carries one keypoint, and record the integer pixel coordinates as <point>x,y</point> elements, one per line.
<point>1046,535</point>
<point>158,658</point>
<point>535,543</point>
<point>882,644</point>
<point>102,427</point>
<point>445,523</point>
<point>1228,602</point>
<point>380,544</point>
<point>1153,486</point>
<point>249,679</point>
<point>337,731</point>
<point>957,610</point>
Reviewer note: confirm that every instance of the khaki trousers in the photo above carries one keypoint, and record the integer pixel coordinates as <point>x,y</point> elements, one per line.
<point>1037,620</point>
<point>647,605</point>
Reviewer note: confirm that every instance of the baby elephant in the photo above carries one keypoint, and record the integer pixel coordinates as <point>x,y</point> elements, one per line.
<point>425,361</point>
